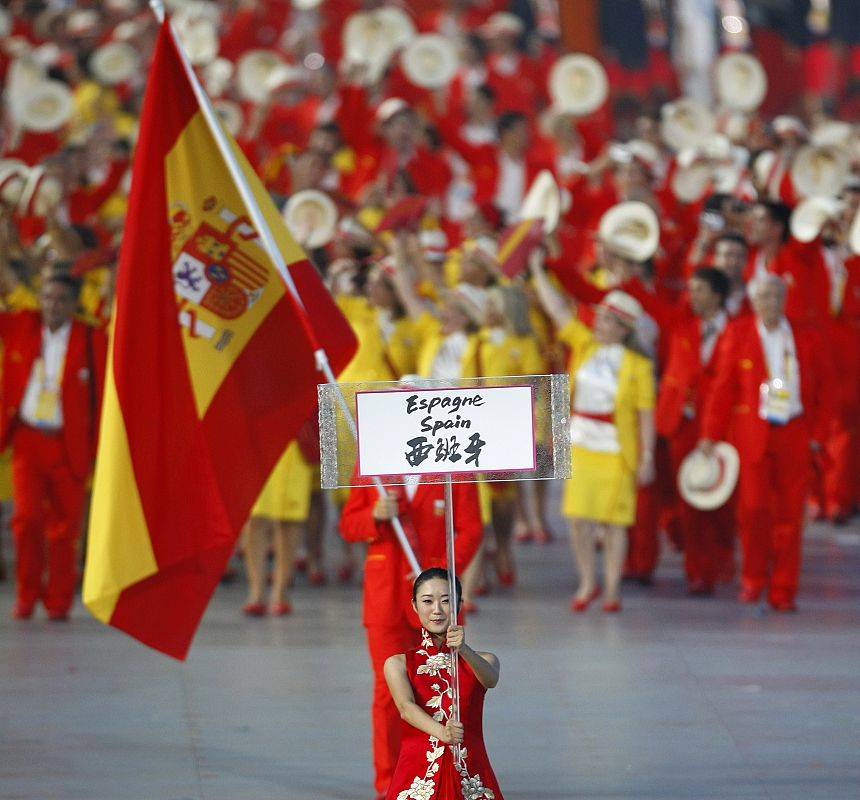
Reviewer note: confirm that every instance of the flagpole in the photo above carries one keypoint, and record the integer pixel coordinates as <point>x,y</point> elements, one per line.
<point>271,248</point>
<point>453,599</point>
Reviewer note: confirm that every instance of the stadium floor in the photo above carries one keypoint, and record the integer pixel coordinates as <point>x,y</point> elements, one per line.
<point>676,697</point>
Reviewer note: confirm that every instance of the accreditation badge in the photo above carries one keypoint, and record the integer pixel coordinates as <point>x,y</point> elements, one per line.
<point>774,402</point>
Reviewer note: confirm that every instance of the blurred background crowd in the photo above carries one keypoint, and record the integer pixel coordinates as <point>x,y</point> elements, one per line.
<point>626,190</point>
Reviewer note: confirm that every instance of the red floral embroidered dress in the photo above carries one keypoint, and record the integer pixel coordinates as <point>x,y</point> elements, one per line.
<point>425,768</point>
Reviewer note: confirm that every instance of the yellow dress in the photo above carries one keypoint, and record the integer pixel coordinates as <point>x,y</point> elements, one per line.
<point>603,486</point>
<point>286,497</point>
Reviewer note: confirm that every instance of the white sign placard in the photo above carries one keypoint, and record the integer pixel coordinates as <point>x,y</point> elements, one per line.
<point>432,431</point>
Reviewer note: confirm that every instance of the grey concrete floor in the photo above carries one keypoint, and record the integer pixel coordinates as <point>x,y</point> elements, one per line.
<point>695,699</point>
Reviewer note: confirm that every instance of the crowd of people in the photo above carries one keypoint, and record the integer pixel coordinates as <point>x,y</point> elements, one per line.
<point>481,203</point>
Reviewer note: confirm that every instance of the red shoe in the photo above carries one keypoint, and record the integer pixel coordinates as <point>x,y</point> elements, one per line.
<point>748,595</point>
<point>280,609</point>
<point>20,611</point>
<point>469,607</point>
<point>612,608</point>
<point>507,579</point>
<point>577,606</point>
<point>317,578</point>
<point>523,537</point>
<point>345,573</point>
<point>481,591</point>
<point>254,609</point>
<point>541,536</point>
<point>300,564</point>
<point>58,616</point>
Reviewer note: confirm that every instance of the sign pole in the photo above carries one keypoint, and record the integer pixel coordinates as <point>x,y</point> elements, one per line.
<point>452,599</point>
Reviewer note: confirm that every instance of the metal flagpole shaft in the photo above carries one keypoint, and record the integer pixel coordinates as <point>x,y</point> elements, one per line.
<point>265,234</point>
<point>452,599</point>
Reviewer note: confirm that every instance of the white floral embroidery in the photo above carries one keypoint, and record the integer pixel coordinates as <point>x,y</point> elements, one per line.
<point>472,786</point>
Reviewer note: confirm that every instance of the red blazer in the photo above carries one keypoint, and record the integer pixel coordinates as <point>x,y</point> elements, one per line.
<point>81,386</point>
<point>387,587</point>
<point>731,407</point>
<point>684,380</point>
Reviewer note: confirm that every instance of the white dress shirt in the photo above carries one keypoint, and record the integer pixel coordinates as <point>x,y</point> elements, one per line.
<point>47,375</point>
<point>781,357</point>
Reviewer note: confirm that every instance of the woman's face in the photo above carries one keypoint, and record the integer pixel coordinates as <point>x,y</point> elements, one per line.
<point>453,318</point>
<point>379,291</point>
<point>608,329</point>
<point>431,604</point>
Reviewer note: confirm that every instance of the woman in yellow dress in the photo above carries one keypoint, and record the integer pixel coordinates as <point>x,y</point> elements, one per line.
<point>612,433</point>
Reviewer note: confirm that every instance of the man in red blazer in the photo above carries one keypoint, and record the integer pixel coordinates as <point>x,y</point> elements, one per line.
<point>388,615</point>
<point>53,370</point>
<point>769,396</point>
<point>707,535</point>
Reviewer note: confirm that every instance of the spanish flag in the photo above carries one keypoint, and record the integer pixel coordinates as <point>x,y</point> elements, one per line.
<point>211,368</point>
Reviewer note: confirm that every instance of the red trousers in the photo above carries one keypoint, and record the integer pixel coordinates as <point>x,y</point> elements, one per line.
<point>771,500</point>
<point>835,488</point>
<point>708,536</point>
<point>49,501</point>
<point>384,641</point>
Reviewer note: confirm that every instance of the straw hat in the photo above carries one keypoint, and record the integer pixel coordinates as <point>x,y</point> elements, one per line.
<point>831,131</point>
<point>578,84</point>
<point>389,108</point>
<point>46,106</point>
<point>311,216</point>
<point>217,75</point>
<point>113,63</point>
<point>686,123</point>
<point>430,61</point>
<point>41,193</point>
<point>784,125</point>
<point>630,229</point>
<point>810,215</point>
<point>13,177</point>
<point>502,23</point>
<point>230,114</point>
<point>372,37</point>
<point>622,305</point>
<point>707,482</point>
<point>255,71</point>
<point>543,201</point>
<point>820,171</point>
<point>740,81</point>
<point>199,38</point>
<point>690,182</point>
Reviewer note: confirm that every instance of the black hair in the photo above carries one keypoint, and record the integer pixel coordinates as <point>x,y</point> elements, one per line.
<point>487,92</point>
<point>436,572</point>
<point>508,120</point>
<point>716,279</point>
<point>779,213</point>
<point>715,202</point>
<point>732,236</point>
<point>60,274</point>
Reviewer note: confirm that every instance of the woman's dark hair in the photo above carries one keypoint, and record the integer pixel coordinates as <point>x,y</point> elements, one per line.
<point>442,574</point>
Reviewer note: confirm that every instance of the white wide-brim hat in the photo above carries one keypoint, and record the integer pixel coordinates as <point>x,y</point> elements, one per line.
<point>430,61</point>
<point>305,5</point>
<point>686,123</point>
<point>113,63</point>
<point>45,107</point>
<point>230,114</point>
<point>707,482</point>
<point>630,229</point>
<point>810,216</point>
<point>578,84</point>
<point>371,38</point>
<point>199,38</point>
<point>311,217</point>
<point>740,81</point>
<point>13,178</point>
<point>254,74</point>
<point>41,193</point>
<point>217,75</point>
<point>690,182</point>
<point>831,131</point>
<point>397,24</point>
<point>624,306</point>
<point>820,171</point>
<point>543,201</point>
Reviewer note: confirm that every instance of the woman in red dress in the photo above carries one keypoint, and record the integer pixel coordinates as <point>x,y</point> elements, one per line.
<point>421,682</point>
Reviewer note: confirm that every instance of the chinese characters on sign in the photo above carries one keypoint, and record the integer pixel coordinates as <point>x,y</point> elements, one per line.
<point>431,431</point>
